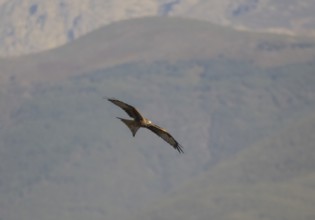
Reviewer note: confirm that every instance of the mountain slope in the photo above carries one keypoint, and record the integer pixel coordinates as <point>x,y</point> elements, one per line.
<point>64,155</point>
<point>266,181</point>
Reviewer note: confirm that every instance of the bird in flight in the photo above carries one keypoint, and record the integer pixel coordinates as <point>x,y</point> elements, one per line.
<point>140,121</point>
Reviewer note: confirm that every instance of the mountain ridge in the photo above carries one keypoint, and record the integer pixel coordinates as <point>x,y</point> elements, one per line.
<point>30,26</point>
<point>271,52</point>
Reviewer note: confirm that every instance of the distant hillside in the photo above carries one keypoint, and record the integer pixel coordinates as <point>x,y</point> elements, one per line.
<point>64,155</point>
<point>151,39</point>
<point>273,179</point>
<point>29,26</point>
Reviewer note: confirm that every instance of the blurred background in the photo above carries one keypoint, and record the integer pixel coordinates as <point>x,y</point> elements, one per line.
<point>232,81</point>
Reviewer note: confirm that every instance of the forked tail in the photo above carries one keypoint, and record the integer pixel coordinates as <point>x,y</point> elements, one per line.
<point>131,124</point>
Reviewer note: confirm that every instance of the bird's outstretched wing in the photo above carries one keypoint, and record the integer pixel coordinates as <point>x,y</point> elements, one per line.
<point>130,110</point>
<point>165,136</point>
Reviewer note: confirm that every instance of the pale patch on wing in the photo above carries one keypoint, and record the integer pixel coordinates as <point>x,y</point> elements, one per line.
<point>166,137</point>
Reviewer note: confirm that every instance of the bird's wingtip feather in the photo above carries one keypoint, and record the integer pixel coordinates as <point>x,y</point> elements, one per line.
<point>180,148</point>
<point>108,98</point>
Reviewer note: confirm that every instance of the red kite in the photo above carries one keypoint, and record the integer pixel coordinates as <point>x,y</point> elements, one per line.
<point>140,121</point>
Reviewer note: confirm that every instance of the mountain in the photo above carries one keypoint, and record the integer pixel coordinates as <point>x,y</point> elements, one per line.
<point>30,26</point>
<point>273,179</point>
<point>294,17</point>
<point>217,90</point>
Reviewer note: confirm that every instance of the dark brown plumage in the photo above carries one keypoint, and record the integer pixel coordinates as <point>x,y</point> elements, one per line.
<point>140,121</point>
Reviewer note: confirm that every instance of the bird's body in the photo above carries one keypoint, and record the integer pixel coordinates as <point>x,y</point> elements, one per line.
<point>140,121</point>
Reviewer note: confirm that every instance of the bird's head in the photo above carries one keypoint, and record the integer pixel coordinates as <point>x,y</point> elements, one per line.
<point>147,121</point>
